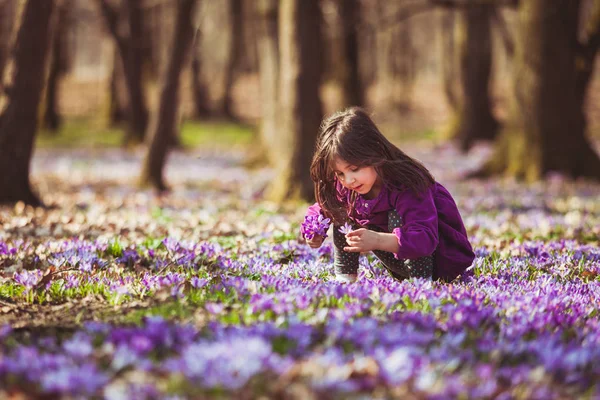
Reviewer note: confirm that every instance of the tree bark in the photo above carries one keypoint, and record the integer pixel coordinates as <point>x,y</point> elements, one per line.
<point>473,117</point>
<point>395,59</point>
<point>301,111</point>
<point>547,131</point>
<point>24,82</point>
<point>236,21</point>
<point>7,16</point>
<point>199,89</point>
<point>134,74</point>
<point>118,107</point>
<point>449,59</point>
<point>164,120</point>
<point>59,65</point>
<point>352,88</point>
<point>268,69</point>
<point>132,57</point>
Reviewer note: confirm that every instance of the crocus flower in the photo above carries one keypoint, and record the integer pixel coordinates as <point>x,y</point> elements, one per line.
<point>315,225</point>
<point>346,228</point>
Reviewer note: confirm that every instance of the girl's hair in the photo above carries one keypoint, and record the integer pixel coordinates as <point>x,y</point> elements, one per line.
<point>352,136</point>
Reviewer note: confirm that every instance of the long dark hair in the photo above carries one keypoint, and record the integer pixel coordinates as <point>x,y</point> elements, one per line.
<point>352,136</point>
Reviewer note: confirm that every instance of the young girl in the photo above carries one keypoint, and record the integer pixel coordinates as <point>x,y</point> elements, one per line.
<point>396,208</point>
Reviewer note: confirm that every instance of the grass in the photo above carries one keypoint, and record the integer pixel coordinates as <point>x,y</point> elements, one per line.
<point>89,133</point>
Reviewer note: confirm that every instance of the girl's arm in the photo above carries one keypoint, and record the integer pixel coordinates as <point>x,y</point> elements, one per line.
<point>363,239</point>
<point>418,236</point>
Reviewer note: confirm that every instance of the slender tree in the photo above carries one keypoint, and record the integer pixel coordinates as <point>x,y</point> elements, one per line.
<point>199,89</point>
<point>352,87</point>
<point>59,65</point>
<point>300,104</point>
<point>118,108</point>
<point>163,123</point>
<point>552,70</point>
<point>23,83</point>
<point>449,59</point>
<point>236,22</point>
<point>7,17</point>
<point>473,119</point>
<point>268,69</point>
<point>132,56</point>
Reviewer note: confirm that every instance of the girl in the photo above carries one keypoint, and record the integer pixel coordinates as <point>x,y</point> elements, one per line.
<point>401,214</point>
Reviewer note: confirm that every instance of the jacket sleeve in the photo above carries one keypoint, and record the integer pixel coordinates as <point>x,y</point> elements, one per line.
<point>418,237</point>
<point>315,209</point>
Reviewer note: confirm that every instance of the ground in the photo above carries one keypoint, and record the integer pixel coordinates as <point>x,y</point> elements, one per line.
<point>207,291</point>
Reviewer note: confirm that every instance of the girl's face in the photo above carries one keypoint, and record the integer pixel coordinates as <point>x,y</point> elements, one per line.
<point>363,180</point>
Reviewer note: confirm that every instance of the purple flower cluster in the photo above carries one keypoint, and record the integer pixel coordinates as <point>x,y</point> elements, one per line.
<point>314,225</point>
<point>266,318</point>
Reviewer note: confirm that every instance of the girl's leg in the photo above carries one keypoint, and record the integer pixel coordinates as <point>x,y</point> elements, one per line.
<point>345,263</point>
<point>402,269</point>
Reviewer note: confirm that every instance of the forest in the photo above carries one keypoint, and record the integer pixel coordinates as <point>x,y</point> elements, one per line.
<point>155,174</point>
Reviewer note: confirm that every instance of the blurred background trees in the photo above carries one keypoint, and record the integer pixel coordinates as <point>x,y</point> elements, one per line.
<point>517,74</point>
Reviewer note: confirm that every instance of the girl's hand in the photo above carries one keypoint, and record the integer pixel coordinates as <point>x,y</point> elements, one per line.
<point>316,241</point>
<point>362,240</point>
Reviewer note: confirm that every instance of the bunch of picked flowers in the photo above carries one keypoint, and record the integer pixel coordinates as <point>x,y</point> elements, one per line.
<point>314,225</point>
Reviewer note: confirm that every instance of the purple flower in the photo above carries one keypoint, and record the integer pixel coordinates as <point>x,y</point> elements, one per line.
<point>315,225</point>
<point>198,282</point>
<point>346,228</point>
<point>28,279</point>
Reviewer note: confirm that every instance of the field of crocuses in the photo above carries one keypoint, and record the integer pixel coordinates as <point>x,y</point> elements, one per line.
<point>116,293</point>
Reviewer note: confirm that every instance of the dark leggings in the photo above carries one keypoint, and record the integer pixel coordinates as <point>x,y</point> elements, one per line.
<point>347,263</point>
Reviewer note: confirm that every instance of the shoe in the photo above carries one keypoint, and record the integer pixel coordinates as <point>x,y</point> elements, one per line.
<point>346,278</point>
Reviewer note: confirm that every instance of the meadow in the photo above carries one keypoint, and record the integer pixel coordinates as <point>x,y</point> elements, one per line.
<point>114,292</point>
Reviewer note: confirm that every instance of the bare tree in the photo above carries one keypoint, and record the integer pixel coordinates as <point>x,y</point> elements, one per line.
<point>163,124</point>
<point>59,65</point>
<point>7,17</point>
<point>396,57</point>
<point>352,87</point>
<point>199,89</point>
<point>128,42</point>
<point>268,69</point>
<point>552,69</point>
<point>473,118</point>
<point>301,112</point>
<point>449,60</point>
<point>236,22</point>
<point>118,106</point>
<point>23,83</point>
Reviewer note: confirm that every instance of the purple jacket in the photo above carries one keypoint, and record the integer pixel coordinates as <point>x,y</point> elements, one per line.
<point>431,222</point>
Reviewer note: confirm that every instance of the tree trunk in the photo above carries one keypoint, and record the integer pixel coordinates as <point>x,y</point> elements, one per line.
<point>133,67</point>
<point>403,66</point>
<point>58,67</point>
<point>132,58</point>
<point>24,83</point>
<point>301,113</point>
<point>236,21</point>
<point>7,17</point>
<point>473,118</point>
<point>352,87</point>
<point>199,89</point>
<point>548,121</point>
<point>395,59</point>
<point>268,69</point>
<point>164,120</point>
<point>118,107</point>
<point>449,59</point>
